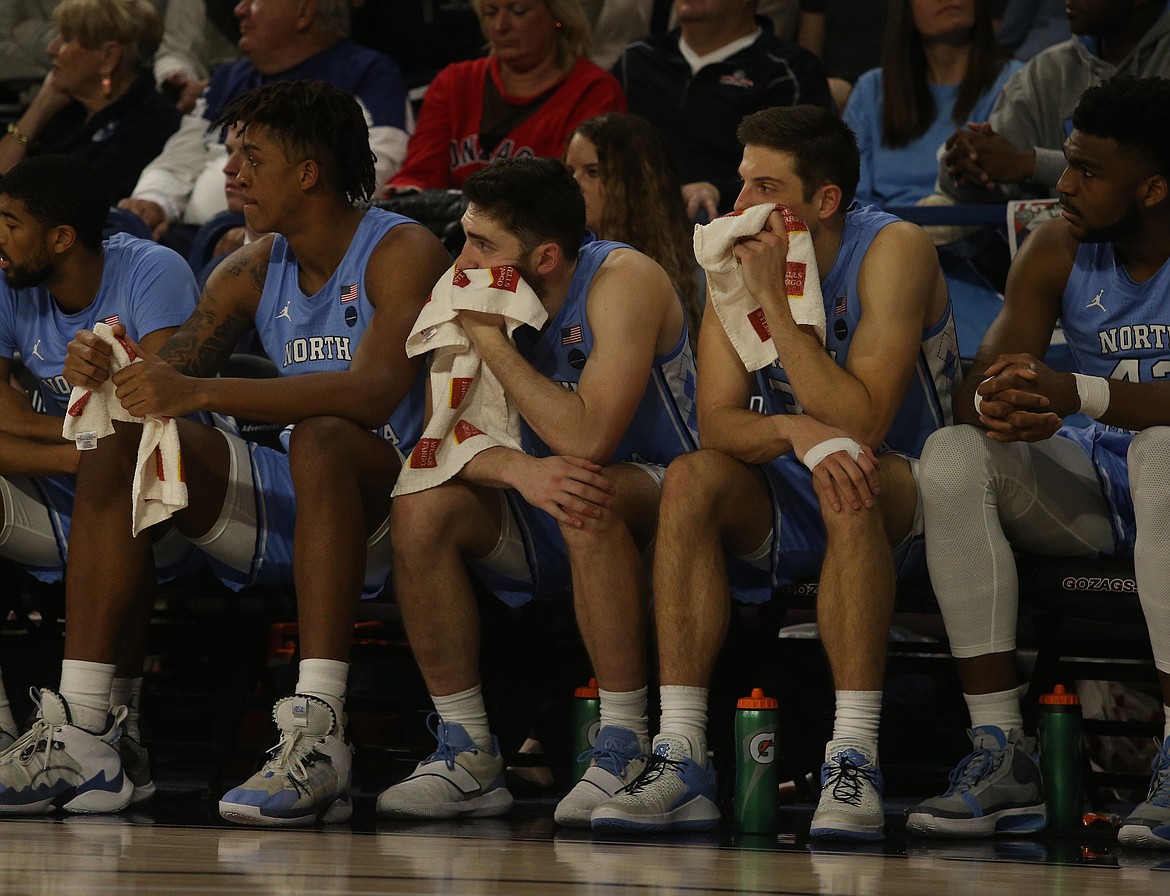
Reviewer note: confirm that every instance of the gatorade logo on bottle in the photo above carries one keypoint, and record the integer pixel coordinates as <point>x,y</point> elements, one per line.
<point>763,747</point>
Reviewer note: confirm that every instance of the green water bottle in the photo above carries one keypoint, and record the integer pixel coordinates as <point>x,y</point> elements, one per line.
<point>586,722</point>
<point>756,776</point>
<point>1060,758</point>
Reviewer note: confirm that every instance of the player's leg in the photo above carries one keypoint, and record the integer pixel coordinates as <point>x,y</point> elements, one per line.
<point>432,533</point>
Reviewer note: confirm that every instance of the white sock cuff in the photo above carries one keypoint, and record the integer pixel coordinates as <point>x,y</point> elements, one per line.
<point>86,688</point>
<point>625,709</point>
<point>999,708</point>
<point>466,708</point>
<point>320,676</point>
<point>858,716</point>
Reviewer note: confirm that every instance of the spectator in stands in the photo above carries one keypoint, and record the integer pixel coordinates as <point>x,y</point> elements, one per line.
<point>524,99</point>
<point>846,35</point>
<point>193,44</point>
<point>1017,476</point>
<point>1029,26</point>
<point>59,276</point>
<point>26,30</point>
<point>333,302</point>
<point>940,68</point>
<point>632,196</point>
<point>696,83</point>
<point>183,186</point>
<point>613,24</point>
<point>98,100</point>
<point>604,395</point>
<point>793,493</point>
<point>1017,150</point>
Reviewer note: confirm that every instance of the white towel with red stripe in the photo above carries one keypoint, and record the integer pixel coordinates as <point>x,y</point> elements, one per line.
<point>469,410</point>
<point>741,315</point>
<point>160,487</point>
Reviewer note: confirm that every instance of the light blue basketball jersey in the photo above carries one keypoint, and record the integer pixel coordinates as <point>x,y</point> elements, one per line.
<point>1120,330</point>
<point>662,428</point>
<point>145,287</point>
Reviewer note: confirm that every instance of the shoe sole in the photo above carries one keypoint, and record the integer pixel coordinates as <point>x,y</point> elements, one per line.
<point>843,833</point>
<point>1142,837</point>
<point>1026,820</point>
<point>698,815</point>
<point>489,805</point>
<point>338,811</point>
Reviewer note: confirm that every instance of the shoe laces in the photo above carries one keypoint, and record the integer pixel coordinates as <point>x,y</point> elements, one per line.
<point>976,766</point>
<point>848,774</point>
<point>292,756</point>
<point>1160,784</point>
<point>656,767</point>
<point>613,760</point>
<point>444,751</point>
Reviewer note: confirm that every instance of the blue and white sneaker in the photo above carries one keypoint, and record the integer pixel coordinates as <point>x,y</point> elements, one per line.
<point>850,807</point>
<point>55,764</point>
<point>306,780</point>
<point>616,759</point>
<point>995,789</point>
<point>673,793</point>
<point>1148,826</point>
<point>458,779</point>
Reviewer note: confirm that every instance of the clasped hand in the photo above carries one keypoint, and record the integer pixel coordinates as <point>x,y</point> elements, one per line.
<point>149,386</point>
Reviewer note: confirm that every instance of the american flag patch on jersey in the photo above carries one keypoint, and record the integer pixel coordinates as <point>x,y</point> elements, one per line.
<point>572,335</point>
<point>112,319</point>
<point>842,303</point>
<point>349,293</point>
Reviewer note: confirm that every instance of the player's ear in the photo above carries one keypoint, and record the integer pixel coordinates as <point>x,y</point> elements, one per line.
<point>61,238</point>
<point>310,174</point>
<point>1153,190</point>
<point>548,256</point>
<point>828,200</point>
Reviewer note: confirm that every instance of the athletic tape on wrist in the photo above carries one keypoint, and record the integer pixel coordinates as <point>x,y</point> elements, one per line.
<point>979,398</point>
<point>1094,394</point>
<point>821,450</point>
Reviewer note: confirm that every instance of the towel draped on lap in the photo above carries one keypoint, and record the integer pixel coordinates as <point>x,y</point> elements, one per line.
<point>741,315</point>
<point>469,411</point>
<point>160,487</point>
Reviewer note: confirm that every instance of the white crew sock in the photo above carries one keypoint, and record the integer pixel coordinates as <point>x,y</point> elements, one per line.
<point>684,714</point>
<point>1001,709</point>
<point>325,680</point>
<point>86,688</point>
<point>859,714</point>
<point>128,692</point>
<point>625,709</point>
<point>466,708</point>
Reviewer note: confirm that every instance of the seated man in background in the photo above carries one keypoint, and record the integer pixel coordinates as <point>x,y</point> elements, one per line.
<point>1015,477</point>
<point>793,493</point>
<point>695,84</point>
<point>60,276</point>
<point>279,41</point>
<point>604,391</point>
<point>331,297</point>
<point>1018,151</point>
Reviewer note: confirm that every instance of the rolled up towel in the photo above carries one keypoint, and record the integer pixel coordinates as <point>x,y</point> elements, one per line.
<point>741,315</point>
<point>160,486</point>
<point>469,410</point>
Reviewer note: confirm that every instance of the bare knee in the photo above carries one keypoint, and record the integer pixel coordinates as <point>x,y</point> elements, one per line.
<point>695,486</point>
<point>318,442</point>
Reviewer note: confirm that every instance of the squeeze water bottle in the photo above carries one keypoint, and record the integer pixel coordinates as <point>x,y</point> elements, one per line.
<point>1060,757</point>
<point>586,721</point>
<point>756,775</point>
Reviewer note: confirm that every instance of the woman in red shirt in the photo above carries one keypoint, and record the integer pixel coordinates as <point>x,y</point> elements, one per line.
<point>524,99</point>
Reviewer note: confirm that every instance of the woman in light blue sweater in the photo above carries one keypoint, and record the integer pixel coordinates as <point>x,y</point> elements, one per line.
<point>940,69</point>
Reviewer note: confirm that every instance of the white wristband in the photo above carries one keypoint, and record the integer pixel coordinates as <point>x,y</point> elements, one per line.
<point>1094,394</point>
<point>979,398</point>
<point>821,450</point>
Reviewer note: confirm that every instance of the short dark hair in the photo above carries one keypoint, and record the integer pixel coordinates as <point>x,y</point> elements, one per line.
<point>61,189</point>
<point>312,120</point>
<point>824,147</point>
<point>536,199</point>
<point>1133,111</point>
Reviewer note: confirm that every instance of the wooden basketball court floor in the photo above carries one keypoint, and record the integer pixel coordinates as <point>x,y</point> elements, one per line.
<point>178,846</point>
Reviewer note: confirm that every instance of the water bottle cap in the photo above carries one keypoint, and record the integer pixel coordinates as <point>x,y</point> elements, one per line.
<point>757,701</point>
<point>589,691</point>
<point>1060,697</point>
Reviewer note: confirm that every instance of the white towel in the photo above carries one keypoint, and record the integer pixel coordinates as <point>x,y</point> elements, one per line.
<point>469,411</point>
<point>160,487</point>
<point>740,314</point>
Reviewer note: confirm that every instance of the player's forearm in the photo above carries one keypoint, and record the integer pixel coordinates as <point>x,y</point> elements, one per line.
<point>745,435</point>
<point>292,399</point>
<point>32,457</point>
<point>497,467</point>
